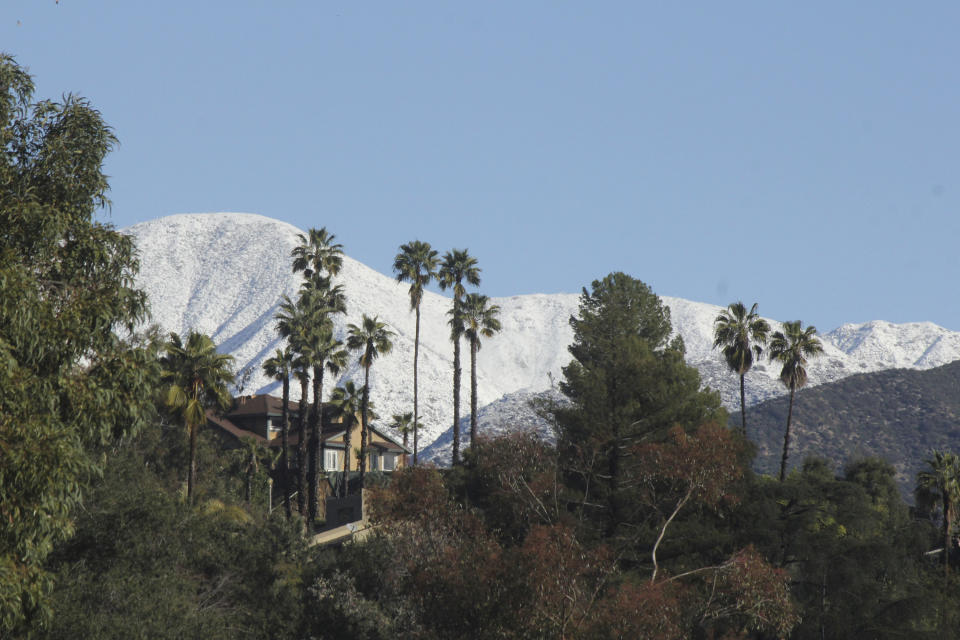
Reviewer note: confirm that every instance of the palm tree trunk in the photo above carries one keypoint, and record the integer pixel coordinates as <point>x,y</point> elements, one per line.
<point>347,452</point>
<point>473,392</point>
<point>317,496</point>
<point>192,474</point>
<point>363,422</point>
<point>786,439</point>
<point>416,418</point>
<point>314,448</point>
<point>743,406</point>
<point>284,447</point>
<point>456,401</point>
<point>947,518</point>
<point>302,446</point>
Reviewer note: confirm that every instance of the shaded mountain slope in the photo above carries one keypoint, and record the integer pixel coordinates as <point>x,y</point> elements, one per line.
<point>898,415</point>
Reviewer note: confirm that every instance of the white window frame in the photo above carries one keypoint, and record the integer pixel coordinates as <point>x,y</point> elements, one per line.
<point>335,455</point>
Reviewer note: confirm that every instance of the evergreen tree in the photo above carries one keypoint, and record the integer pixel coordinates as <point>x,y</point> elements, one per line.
<point>628,384</point>
<point>417,264</point>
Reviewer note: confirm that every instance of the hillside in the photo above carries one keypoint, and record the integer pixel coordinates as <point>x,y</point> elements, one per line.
<point>225,274</point>
<point>898,415</point>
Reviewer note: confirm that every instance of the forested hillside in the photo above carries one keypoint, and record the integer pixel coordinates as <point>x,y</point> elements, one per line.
<point>899,415</point>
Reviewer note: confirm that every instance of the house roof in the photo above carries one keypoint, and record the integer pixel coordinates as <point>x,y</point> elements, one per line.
<point>267,405</point>
<point>225,424</point>
<point>260,405</point>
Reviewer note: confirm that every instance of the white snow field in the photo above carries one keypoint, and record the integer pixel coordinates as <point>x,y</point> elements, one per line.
<point>225,274</point>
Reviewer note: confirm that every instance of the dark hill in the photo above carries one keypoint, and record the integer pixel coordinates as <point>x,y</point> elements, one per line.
<point>898,415</point>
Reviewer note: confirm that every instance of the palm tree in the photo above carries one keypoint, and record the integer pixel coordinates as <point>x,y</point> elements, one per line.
<point>280,367</point>
<point>293,323</point>
<point>372,339</point>
<point>457,266</point>
<point>198,378</point>
<point>325,353</point>
<point>346,401</point>
<point>791,347</point>
<point>403,423</point>
<point>479,320</point>
<point>317,253</point>
<point>417,264</point>
<point>741,334</point>
<point>942,482</point>
<point>248,458</point>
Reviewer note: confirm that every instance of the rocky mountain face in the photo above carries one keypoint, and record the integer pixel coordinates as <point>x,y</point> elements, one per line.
<point>225,274</point>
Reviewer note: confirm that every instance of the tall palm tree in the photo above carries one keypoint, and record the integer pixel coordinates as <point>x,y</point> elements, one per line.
<point>198,379</point>
<point>293,323</point>
<point>280,367</point>
<point>741,333</point>
<point>325,353</point>
<point>372,339</point>
<point>941,481</point>
<point>791,347</point>
<point>317,253</point>
<point>417,264</point>
<point>480,320</point>
<point>346,401</point>
<point>458,266</point>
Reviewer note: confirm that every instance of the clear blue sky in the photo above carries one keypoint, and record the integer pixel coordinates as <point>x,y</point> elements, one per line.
<point>801,155</point>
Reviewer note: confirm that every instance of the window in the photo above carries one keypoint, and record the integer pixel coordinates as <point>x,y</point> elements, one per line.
<point>374,464</point>
<point>332,460</point>
<point>389,461</point>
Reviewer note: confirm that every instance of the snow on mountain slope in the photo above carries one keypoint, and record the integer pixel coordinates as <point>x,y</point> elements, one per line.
<point>225,274</point>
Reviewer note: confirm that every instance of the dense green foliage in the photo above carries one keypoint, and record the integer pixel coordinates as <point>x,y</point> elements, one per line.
<point>629,385</point>
<point>68,383</point>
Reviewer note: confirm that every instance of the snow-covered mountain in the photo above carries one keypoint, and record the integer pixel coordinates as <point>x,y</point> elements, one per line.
<point>225,274</point>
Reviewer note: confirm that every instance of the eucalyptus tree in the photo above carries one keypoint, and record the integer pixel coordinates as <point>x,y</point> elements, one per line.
<point>417,264</point>
<point>68,383</point>
<point>791,348</point>
<point>457,267</point>
<point>941,482</point>
<point>198,379</point>
<point>741,334</point>
<point>372,339</point>
<point>280,367</point>
<point>480,319</point>
<point>346,401</point>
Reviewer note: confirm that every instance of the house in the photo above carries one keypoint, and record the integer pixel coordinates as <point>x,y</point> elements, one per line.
<point>260,416</point>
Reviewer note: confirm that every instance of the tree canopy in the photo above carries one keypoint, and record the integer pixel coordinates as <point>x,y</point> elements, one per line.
<point>72,376</point>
